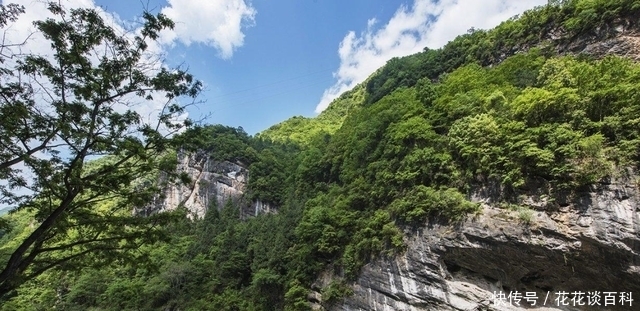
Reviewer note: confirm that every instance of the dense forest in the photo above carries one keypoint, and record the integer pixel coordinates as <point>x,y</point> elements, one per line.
<point>497,107</point>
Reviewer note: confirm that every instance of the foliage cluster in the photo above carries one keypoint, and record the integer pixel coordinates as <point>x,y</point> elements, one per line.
<point>302,131</point>
<point>569,18</point>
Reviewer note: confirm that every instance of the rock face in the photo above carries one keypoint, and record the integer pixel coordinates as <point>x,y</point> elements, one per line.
<point>588,243</point>
<point>567,253</point>
<point>211,180</point>
<point>623,41</point>
<point>622,38</point>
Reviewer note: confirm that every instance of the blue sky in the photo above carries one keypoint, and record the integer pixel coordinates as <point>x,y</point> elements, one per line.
<point>263,61</point>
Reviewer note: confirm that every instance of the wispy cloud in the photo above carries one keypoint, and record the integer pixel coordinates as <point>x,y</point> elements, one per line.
<point>217,24</point>
<point>426,23</point>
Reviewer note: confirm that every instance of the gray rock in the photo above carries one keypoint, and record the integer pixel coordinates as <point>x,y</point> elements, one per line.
<point>211,180</point>
<point>590,245</point>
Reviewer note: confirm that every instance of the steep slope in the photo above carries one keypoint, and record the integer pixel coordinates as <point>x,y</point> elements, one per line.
<point>591,28</point>
<point>595,27</point>
<point>578,247</point>
<point>557,137</point>
<point>557,100</point>
<point>215,161</point>
<point>302,131</point>
<point>212,183</point>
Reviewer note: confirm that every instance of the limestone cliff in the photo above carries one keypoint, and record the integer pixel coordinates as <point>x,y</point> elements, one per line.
<point>586,242</point>
<point>622,38</point>
<point>211,180</point>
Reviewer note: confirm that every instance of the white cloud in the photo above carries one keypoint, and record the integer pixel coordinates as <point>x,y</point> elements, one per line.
<point>217,23</point>
<point>426,23</point>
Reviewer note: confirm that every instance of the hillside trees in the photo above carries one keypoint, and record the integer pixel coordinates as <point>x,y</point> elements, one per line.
<point>572,18</point>
<point>60,113</point>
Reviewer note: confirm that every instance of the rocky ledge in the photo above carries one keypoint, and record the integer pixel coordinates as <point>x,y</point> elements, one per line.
<point>562,252</point>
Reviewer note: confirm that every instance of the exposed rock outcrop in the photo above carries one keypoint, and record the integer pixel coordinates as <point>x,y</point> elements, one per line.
<point>621,38</point>
<point>588,243</point>
<point>211,181</point>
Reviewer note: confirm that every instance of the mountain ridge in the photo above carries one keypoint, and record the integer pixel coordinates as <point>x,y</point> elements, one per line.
<point>617,34</point>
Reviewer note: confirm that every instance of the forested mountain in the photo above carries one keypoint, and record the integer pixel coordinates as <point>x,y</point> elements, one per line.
<point>520,128</point>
